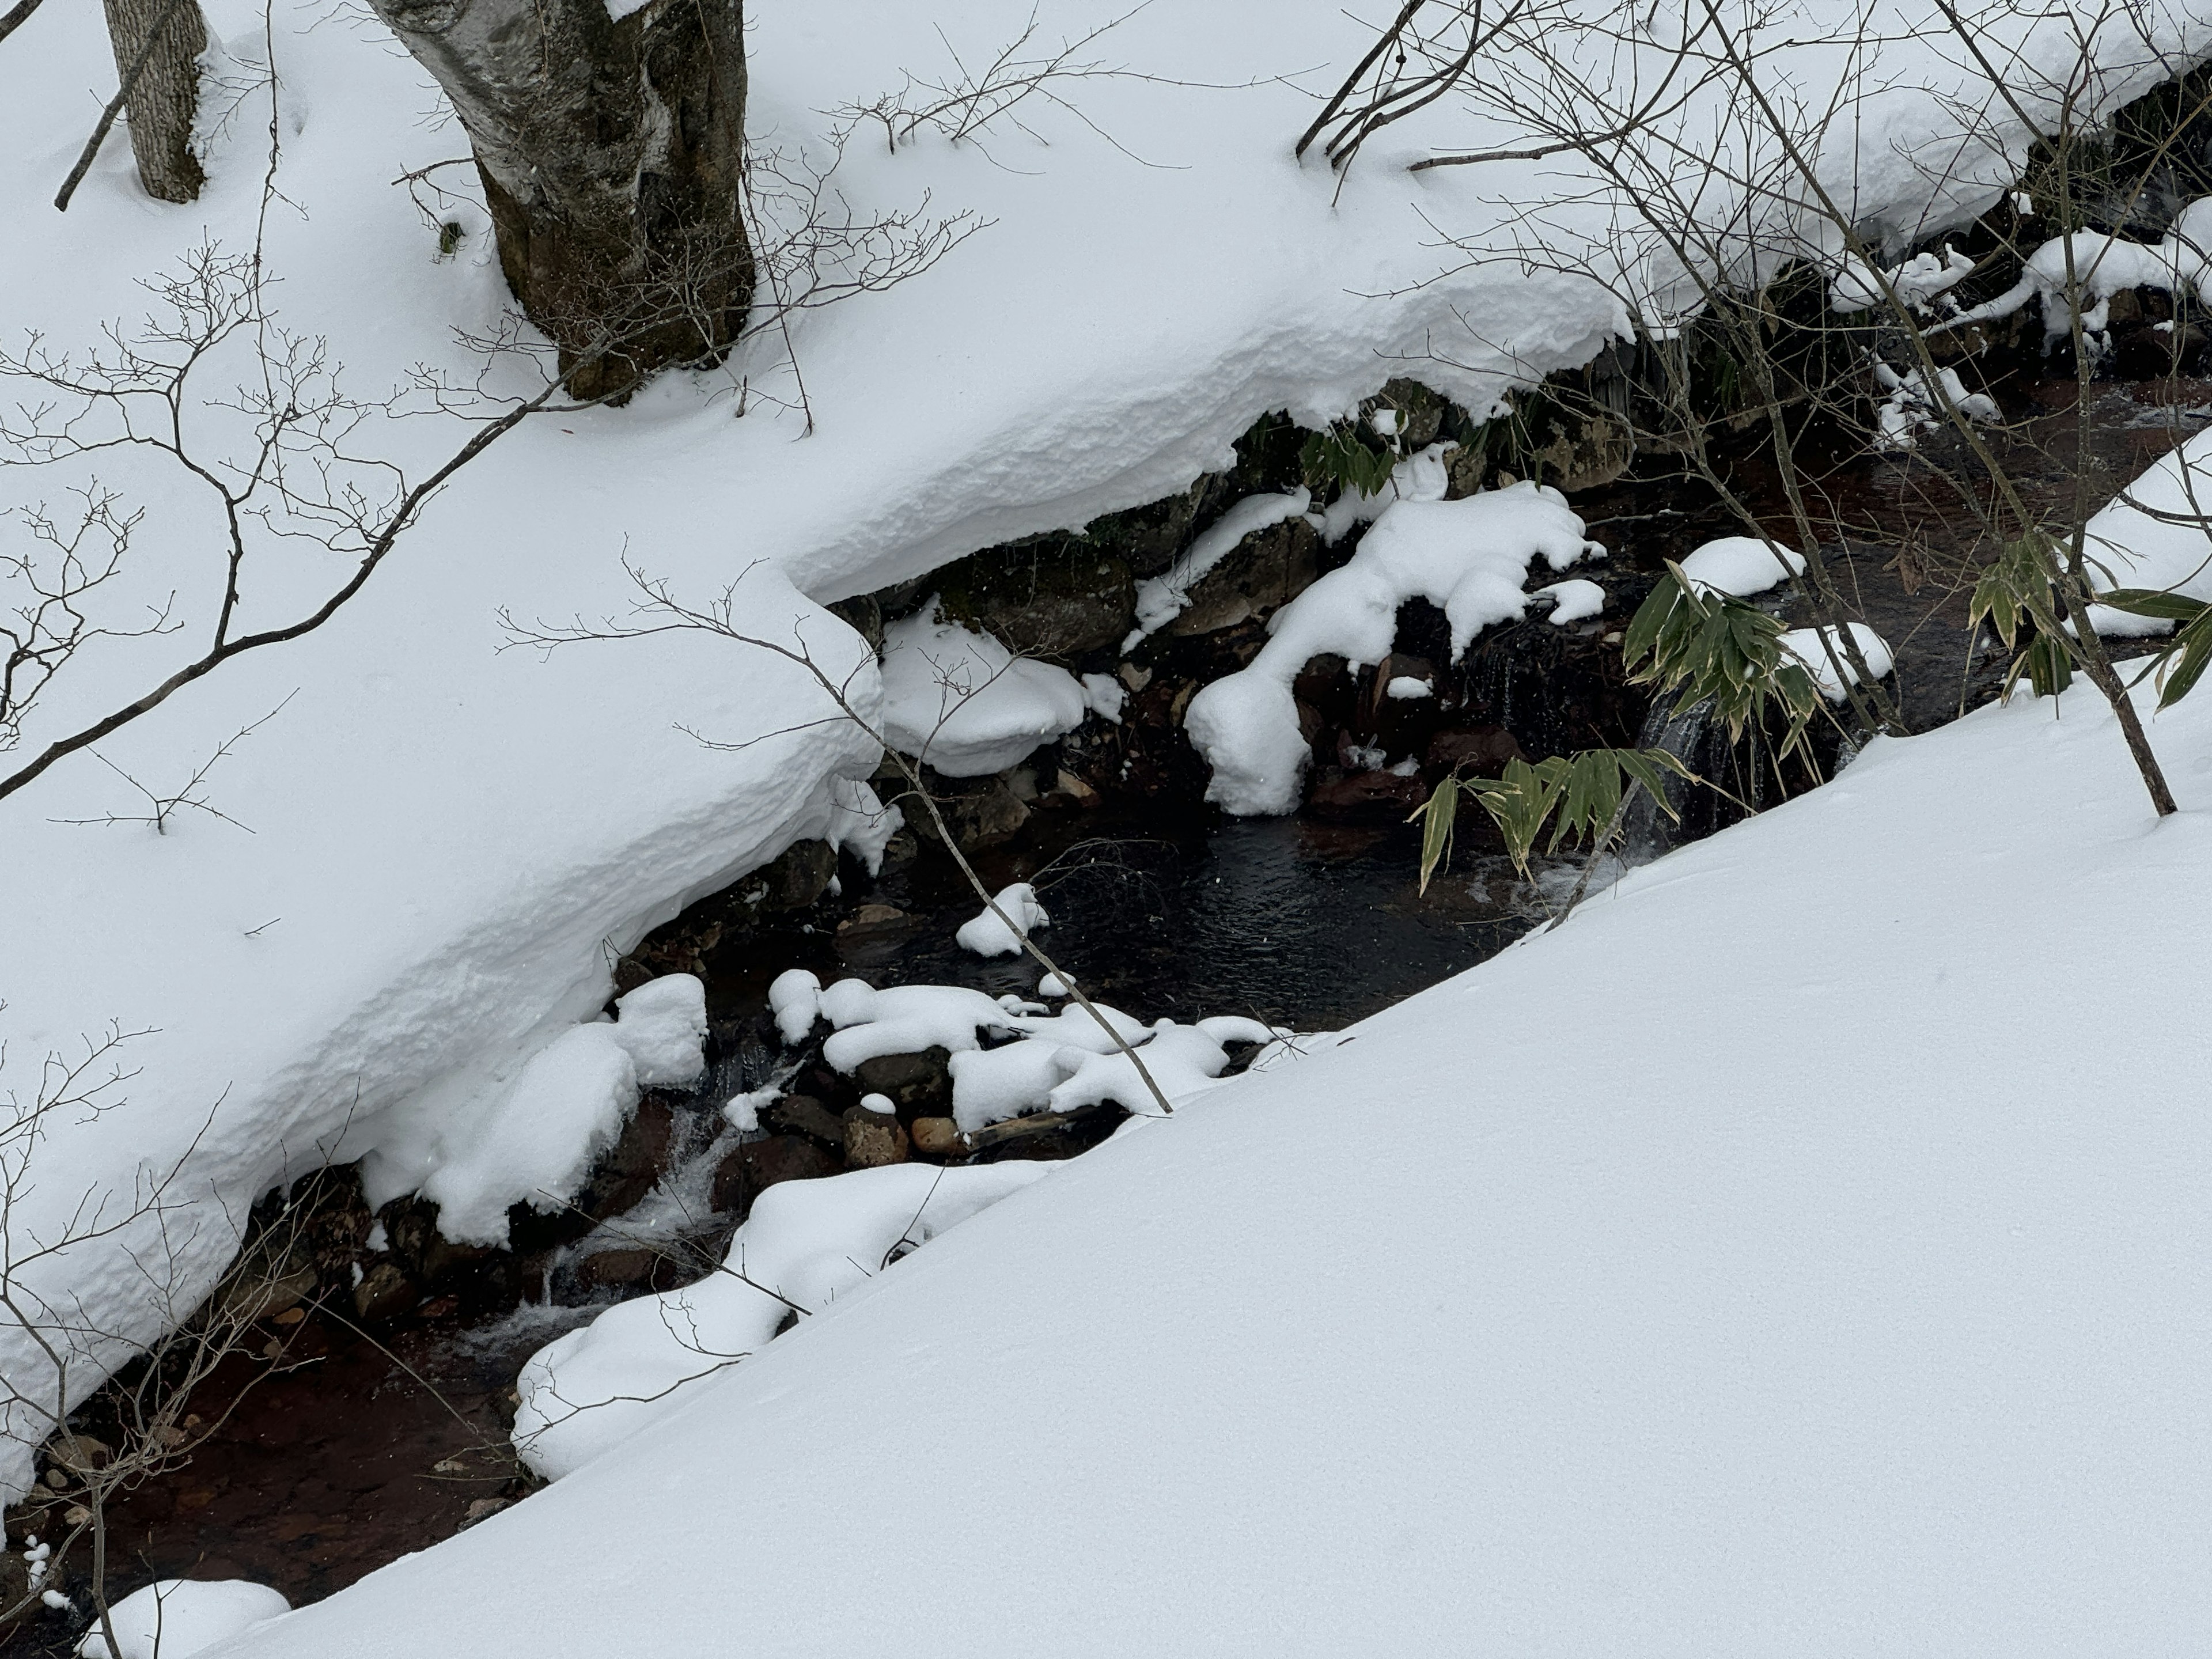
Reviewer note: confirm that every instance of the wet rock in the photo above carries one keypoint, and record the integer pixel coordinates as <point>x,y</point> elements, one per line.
<point>475,1274</point>
<point>790,882</point>
<point>936,1138</point>
<point>872,1139</point>
<point>978,818</point>
<point>803,1114</point>
<point>911,1082</point>
<point>384,1294</point>
<point>753,1168</point>
<point>1053,597</point>
<point>1340,795</point>
<point>1263,573</point>
<point>865,615</point>
<point>1481,750</point>
<point>620,1268</point>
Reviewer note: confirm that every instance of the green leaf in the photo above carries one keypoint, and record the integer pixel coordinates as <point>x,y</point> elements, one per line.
<point>1436,814</point>
<point>2151,602</point>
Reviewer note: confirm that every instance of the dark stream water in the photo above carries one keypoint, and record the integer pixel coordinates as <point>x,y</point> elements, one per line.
<point>348,1453</point>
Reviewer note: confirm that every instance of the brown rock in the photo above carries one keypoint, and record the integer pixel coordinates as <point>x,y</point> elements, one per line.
<point>483,1509</point>
<point>630,1264</point>
<point>384,1293</point>
<point>937,1137</point>
<point>757,1165</point>
<point>872,1139</point>
<point>1261,575</point>
<point>1482,748</point>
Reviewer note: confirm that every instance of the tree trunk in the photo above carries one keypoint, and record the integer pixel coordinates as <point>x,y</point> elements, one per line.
<point>612,152</point>
<point>166,100</point>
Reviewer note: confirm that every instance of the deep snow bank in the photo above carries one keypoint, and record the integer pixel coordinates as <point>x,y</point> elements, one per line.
<point>445,841</point>
<point>1803,1250</point>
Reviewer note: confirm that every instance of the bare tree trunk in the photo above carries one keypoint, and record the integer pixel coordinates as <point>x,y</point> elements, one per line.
<point>613,155</point>
<point>165,99</point>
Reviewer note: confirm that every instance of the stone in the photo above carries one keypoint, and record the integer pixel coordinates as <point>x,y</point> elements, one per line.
<point>1256,578</point>
<point>255,1298</point>
<point>911,1081</point>
<point>1365,795</point>
<point>384,1294</point>
<point>937,1137</point>
<point>483,1509</point>
<point>872,1139</point>
<point>750,1170</point>
<point>979,819</point>
<point>1483,750</point>
<point>803,1114</point>
<point>1053,597</point>
<point>630,1264</point>
<point>78,1454</point>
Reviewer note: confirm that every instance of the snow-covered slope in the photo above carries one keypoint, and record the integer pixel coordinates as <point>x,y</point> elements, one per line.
<point>444,840</point>
<point>1804,1250</point>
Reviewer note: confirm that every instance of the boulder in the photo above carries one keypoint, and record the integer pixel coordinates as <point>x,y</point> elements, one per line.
<point>911,1082</point>
<point>384,1294</point>
<point>1054,598</point>
<point>803,1114</point>
<point>1256,578</point>
<point>872,1139</point>
<point>753,1168</point>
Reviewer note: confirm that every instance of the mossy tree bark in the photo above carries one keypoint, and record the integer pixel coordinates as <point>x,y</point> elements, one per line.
<point>165,99</point>
<point>612,152</point>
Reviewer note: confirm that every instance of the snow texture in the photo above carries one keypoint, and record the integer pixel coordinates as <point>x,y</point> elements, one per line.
<point>536,1145</point>
<point>1742,566</point>
<point>1605,1338</point>
<point>1810,647</point>
<point>963,703</point>
<point>1470,557</point>
<point>178,1617</point>
<point>987,935</point>
<point>1576,600</point>
<point>806,1245</point>
<point>450,840</point>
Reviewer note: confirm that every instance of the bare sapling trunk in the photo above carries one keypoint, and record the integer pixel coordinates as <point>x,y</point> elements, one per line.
<point>164,100</point>
<point>611,152</point>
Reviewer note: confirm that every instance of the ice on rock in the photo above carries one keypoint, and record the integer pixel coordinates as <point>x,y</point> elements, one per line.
<point>804,1244</point>
<point>1740,566</point>
<point>179,1617</point>
<point>795,998</point>
<point>987,935</point>
<point>1470,556</point>
<point>963,703</point>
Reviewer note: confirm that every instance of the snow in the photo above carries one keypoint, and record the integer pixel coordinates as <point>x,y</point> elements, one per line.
<point>1470,556</point>
<point>987,935</point>
<point>1161,599</point>
<point>451,840</point>
<point>1812,1286</point>
<point>1576,600</point>
<point>806,1245</point>
<point>795,996</point>
<point>963,703</point>
<point>1810,647</point>
<point>859,823</point>
<point>1742,566</point>
<point>1407,688</point>
<point>179,1617</point>
<point>905,1019</point>
<point>536,1145</point>
<point>2151,536</point>
<point>1917,281</point>
<point>1912,408</point>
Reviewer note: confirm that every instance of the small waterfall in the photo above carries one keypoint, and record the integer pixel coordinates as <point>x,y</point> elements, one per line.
<point>1688,734</point>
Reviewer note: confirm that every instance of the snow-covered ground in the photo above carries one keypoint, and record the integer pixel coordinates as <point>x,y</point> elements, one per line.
<point>430,845</point>
<point>1805,1249</point>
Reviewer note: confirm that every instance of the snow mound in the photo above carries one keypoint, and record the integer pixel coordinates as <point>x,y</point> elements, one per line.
<point>2151,536</point>
<point>179,1617</point>
<point>1470,556</point>
<point>806,1244</point>
<point>905,1019</point>
<point>963,703</point>
<point>536,1147</point>
<point>1573,601</point>
<point>1809,646</point>
<point>794,997</point>
<point>988,936</point>
<point>1741,565</point>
